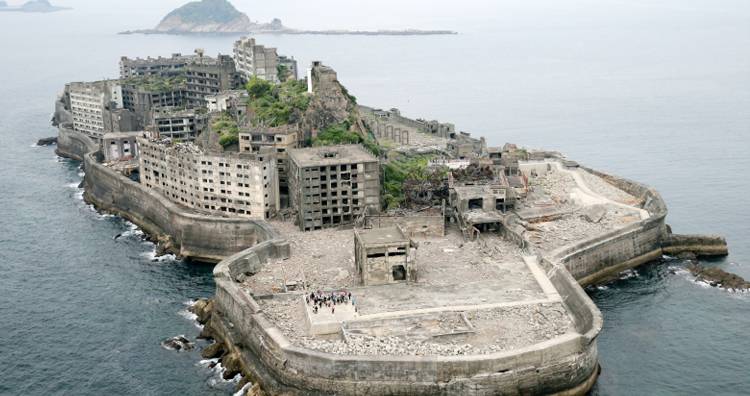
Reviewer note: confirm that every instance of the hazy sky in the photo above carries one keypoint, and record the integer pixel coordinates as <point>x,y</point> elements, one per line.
<point>448,14</point>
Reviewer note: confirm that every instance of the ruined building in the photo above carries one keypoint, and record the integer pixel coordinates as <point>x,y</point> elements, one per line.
<point>330,186</point>
<point>160,66</point>
<point>276,141</point>
<point>255,60</point>
<point>226,184</point>
<point>97,108</point>
<point>383,256</point>
<point>176,124</point>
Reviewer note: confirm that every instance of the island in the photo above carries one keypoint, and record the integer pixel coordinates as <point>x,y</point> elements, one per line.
<point>221,17</point>
<point>41,6</point>
<point>359,250</point>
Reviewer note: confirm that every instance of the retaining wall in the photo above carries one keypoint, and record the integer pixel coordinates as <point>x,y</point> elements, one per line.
<point>72,144</point>
<point>597,258</point>
<point>192,235</point>
<point>558,365</point>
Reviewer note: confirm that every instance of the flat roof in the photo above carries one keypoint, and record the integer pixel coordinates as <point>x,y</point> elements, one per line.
<point>118,135</point>
<point>381,236</point>
<point>330,155</point>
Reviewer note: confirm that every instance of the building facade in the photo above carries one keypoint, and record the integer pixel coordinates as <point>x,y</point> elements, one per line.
<point>183,125</point>
<point>330,186</point>
<point>231,185</point>
<point>254,60</point>
<point>277,141</point>
<point>120,146</point>
<point>160,66</point>
<point>97,108</point>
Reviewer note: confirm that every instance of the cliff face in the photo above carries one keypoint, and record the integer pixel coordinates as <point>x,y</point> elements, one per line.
<point>211,16</point>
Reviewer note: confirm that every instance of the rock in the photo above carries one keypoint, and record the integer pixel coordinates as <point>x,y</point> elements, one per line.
<point>594,214</point>
<point>255,391</point>
<point>47,141</point>
<point>232,366</point>
<point>687,256</point>
<point>177,343</point>
<point>205,334</point>
<point>213,351</point>
<point>203,308</point>
<point>718,278</point>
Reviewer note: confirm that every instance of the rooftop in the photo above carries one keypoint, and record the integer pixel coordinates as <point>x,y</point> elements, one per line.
<point>330,155</point>
<point>381,236</point>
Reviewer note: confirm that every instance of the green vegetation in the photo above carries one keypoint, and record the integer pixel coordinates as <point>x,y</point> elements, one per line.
<point>157,83</point>
<point>227,128</point>
<point>283,72</point>
<point>398,170</point>
<point>206,11</point>
<point>277,104</point>
<point>340,134</point>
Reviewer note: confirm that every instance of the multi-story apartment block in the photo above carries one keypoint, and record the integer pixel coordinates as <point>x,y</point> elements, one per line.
<point>209,76</point>
<point>330,186</point>
<point>255,60</point>
<point>97,108</point>
<point>232,185</point>
<point>160,66</point>
<point>177,124</point>
<point>279,141</point>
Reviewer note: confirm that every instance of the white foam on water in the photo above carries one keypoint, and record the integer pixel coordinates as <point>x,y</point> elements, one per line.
<point>628,274</point>
<point>187,314</point>
<point>602,287</point>
<point>243,389</point>
<point>74,185</point>
<point>207,362</point>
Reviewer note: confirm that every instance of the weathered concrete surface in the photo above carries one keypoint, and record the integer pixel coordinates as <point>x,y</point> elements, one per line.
<point>72,144</point>
<point>193,235</point>
<point>700,245</point>
<point>560,364</point>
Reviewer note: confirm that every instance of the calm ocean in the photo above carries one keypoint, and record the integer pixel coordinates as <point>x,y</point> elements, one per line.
<point>655,91</point>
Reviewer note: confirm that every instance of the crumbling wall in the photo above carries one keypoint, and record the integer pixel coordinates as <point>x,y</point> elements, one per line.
<point>193,235</point>
<point>412,225</point>
<point>567,363</point>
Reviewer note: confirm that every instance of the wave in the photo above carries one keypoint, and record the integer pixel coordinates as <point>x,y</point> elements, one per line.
<point>629,274</point>
<point>243,390</point>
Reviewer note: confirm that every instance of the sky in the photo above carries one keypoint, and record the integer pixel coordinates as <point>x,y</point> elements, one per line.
<point>426,14</point>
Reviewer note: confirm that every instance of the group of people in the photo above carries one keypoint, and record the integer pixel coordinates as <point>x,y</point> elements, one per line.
<point>320,300</point>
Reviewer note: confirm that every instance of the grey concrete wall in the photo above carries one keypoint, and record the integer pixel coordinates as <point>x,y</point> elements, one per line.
<point>600,257</point>
<point>72,144</point>
<point>427,225</point>
<point>548,367</point>
<point>198,236</point>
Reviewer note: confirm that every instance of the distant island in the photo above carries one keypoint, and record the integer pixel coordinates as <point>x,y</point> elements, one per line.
<point>32,6</point>
<point>220,16</point>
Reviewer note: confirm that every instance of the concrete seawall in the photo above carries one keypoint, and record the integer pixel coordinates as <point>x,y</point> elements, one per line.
<point>183,231</point>
<point>72,144</point>
<point>192,235</point>
<point>557,365</point>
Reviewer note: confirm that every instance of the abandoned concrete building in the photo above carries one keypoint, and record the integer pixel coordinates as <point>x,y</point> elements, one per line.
<point>238,184</point>
<point>160,66</point>
<point>480,195</point>
<point>290,65</point>
<point>182,125</point>
<point>97,108</point>
<point>232,101</point>
<point>330,186</point>
<point>120,146</point>
<point>276,140</point>
<point>255,60</point>
<point>383,256</point>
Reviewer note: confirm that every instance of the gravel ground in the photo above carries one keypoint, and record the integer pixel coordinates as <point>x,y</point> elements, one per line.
<point>497,330</point>
<point>602,187</point>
